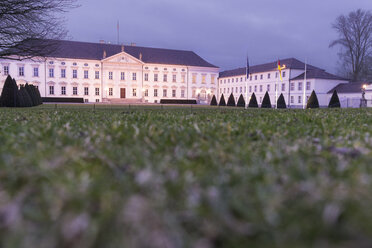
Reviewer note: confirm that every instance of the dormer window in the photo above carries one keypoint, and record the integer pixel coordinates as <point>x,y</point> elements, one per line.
<point>74,64</point>
<point>85,64</point>
<point>97,65</point>
<point>63,63</point>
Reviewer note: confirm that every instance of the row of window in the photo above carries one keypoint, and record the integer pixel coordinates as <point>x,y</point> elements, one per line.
<point>74,90</point>
<point>254,88</point>
<point>241,79</point>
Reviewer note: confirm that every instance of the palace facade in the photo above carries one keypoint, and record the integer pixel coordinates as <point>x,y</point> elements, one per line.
<point>265,78</point>
<point>100,72</point>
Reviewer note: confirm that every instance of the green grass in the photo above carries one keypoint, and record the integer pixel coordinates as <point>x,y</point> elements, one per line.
<point>182,177</point>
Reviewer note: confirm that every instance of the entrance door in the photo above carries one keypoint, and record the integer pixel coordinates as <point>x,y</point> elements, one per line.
<point>122,92</point>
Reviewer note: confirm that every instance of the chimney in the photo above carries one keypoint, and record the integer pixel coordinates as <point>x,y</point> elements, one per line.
<point>140,56</point>
<point>122,48</point>
<point>104,54</point>
<point>101,41</point>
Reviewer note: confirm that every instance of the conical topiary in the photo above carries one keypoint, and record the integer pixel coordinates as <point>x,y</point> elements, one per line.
<point>281,102</point>
<point>31,92</point>
<point>253,101</point>
<point>313,101</point>
<point>241,101</point>
<point>266,103</point>
<point>222,101</point>
<point>7,97</point>
<point>38,96</point>
<point>231,101</point>
<point>214,101</point>
<point>335,101</point>
<point>24,98</point>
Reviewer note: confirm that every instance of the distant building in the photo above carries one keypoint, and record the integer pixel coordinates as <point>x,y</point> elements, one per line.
<point>265,77</point>
<point>350,94</point>
<point>100,72</point>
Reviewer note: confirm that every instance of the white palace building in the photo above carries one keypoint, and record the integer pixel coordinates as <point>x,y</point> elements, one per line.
<point>101,72</point>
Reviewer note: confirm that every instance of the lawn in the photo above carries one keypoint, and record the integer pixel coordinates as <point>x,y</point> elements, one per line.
<point>185,177</point>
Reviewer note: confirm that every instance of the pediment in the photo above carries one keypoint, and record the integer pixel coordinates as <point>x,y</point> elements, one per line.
<point>123,57</point>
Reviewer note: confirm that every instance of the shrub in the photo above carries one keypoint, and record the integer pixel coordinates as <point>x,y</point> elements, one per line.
<point>31,94</point>
<point>241,101</point>
<point>173,101</point>
<point>280,104</point>
<point>214,101</point>
<point>335,101</point>
<point>222,101</point>
<point>231,101</point>
<point>253,101</point>
<point>266,103</point>
<point>9,94</point>
<point>313,101</point>
<point>24,99</point>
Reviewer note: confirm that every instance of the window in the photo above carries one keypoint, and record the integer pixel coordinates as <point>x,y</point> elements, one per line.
<point>97,91</point>
<point>241,79</point>
<point>236,89</point>
<point>182,93</point>
<point>203,79</point>
<point>276,75</point>
<point>63,73</point>
<point>183,78</point>
<point>193,93</point>
<point>232,80</point>
<point>261,77</point>
<point>6,70</point>
<point>164,92</point>
<point>122,76</point>
<point>21,71</point>
<point>134,76</point>
<point>299,99</point>
<point>292,86</point>
<point>111,75</point>
<point>74,73</point>
<point>111,91</point>
<point>51,72</point>
<point>63,90</point>
<point>261,88</point>
<point>86,91</point>
<point>51,90</point>
<point>255,88</point>
<point>146,92</point>
<point>194,78</point>
<point>74,90</point>
<point>97,100</point>
<point>146,77</point>
<point>308,85</point>
<point>96,76</point>
<point>155,92</point>
<point>241,89</point>
<point>173,93</point>
<point>250,78</point>
<point>283,74</point>
<point>299,85</point>
<point>36,71</point>
<point>228,90</point>
<point>268,87</point>
<point>283,87</point>
<point>260,99</point>
<point>213,79</point>
<point>86,74</point>
<point>85,100</point>
<point>174,78</point>
<point>165,78</point>
<point>255,77</point>
<point>250,88</point>
<point>134,92</point>
<point>292,99</point>
<point>268,76</point>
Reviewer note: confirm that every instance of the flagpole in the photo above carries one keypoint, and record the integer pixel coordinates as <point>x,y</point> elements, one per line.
<point>246,83</point>
<point>304,86</point>
<point>276,85</point>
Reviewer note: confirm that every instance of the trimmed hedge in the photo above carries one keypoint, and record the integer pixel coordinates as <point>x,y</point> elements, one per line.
<point>24,99</point>
<point>253,102</point>
<point>63,99</point>
<point>335,101</point>
<point>313,101</point>
<point>9,95</point>
<point>241,101</point>
<point>222,101</point>
<point>281,102</point>
<point>214,101</point>
<point>231,101</point>
<point>266,103</point>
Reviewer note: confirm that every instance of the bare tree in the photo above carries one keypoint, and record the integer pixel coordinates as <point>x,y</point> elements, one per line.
<point>25,24</point>
<point>355,39</point>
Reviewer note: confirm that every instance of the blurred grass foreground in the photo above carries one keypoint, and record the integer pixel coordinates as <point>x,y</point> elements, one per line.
<point>181,177</point>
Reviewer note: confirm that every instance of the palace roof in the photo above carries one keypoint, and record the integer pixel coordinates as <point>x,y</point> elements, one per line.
<point>354,87</point>
<point>95,51</point>
<point>290,63</point>
<point>318,74</point>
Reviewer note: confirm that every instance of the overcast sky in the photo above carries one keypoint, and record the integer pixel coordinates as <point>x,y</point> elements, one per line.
<point>220,31</point>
